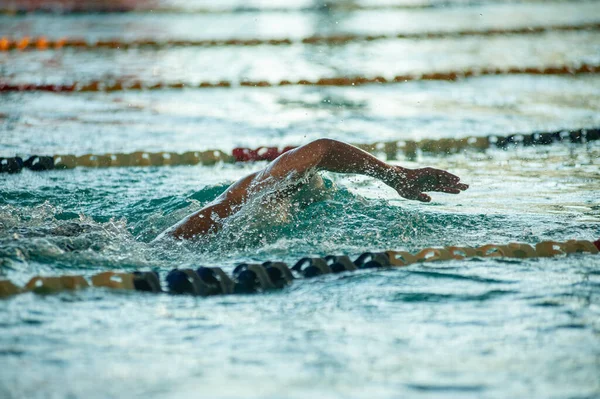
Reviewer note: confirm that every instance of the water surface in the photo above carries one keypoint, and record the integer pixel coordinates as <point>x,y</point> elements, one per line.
<point>478,328</point>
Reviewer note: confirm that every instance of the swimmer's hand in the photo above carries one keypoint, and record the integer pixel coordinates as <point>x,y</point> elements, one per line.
<point>411,183</point>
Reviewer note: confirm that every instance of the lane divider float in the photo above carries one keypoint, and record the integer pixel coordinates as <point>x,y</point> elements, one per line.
<point>121,85</point>
<point>390,149</point>
<point>43,43</point>
<point>251,278</point>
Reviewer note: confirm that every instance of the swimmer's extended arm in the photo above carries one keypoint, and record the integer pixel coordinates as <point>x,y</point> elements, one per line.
<point>339,157</point>
<point>322,154</point>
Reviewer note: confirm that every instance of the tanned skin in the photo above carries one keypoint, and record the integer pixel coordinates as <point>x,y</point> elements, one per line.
<point>323,154</point>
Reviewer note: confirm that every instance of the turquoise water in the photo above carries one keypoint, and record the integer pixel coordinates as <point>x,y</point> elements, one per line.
<point>478,328</point>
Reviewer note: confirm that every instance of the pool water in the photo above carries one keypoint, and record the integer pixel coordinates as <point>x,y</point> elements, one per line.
<point>476,328</point>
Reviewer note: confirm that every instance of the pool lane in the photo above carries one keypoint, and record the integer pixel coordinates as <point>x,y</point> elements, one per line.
<point>298,24</point>
<point>387,58</point>
<point>183,120</point>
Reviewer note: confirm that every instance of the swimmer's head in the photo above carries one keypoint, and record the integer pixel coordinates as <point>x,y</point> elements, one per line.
<point>314,191</point>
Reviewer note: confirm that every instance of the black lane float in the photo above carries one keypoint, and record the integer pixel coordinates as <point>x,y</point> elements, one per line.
<point>248,278</point>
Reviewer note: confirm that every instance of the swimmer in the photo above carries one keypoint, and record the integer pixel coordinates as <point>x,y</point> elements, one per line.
<point>297,169</point>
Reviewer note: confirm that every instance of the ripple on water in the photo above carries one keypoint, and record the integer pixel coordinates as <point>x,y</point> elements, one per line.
<point>445,298</point>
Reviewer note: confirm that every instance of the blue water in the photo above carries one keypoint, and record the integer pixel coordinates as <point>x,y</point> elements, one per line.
<point>477,328</point>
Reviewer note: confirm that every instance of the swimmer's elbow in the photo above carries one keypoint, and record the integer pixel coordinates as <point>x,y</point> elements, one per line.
<point>320,148</point>
<point>324,144</point>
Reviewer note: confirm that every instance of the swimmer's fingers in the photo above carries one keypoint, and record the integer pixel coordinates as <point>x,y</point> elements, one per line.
<point>440,174</point>
<point>447,190</point>
<point>415,196</point>
<point>430,178</point>
<point>451,178</point>
<point>455,189</point>
<point>423,197</point>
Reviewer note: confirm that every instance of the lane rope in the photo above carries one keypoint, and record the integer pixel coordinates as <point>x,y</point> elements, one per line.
<point>390,149</point>
<point>42,43</point>
<point>252,278</point>
<point>121,85</point>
